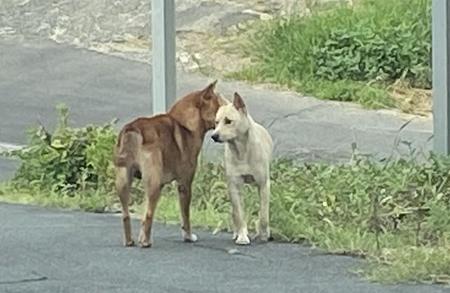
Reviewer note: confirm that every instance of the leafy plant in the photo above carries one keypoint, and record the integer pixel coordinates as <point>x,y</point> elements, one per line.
<point>68,160</point>
<point>345,53</point>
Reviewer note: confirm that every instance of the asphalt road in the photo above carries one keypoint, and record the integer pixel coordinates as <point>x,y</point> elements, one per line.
<point>35,75</point>
<point>47,250</point>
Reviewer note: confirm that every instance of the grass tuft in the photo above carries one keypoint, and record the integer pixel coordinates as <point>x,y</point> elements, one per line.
<point>348,53</point>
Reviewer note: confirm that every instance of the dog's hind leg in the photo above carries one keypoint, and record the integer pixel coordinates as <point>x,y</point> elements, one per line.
<point>151,176</point>
<point>263,226</point>
<point>123,186</point>
<point>184,190</point>
<point>240,226</point>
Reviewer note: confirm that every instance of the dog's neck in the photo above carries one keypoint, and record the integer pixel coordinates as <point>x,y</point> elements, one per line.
<point>199,132</point>
<point>200,137</point>
<point>194,144</point>
<point>188,118</point>
<point>239,146</point>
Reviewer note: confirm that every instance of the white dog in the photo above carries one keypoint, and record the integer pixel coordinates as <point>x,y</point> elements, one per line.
<point>248,152</point>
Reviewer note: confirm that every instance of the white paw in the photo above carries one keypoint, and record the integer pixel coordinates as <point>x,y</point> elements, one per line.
<point>193,237</point>
<point>235,236</point>
<point>264,235</point>
<point>261,237</point>
<point>242,240</point>
<point>189,238</point>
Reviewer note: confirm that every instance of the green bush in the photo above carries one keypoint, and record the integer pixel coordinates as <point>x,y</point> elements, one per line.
<point>375,41</point>
<point>383,40</point>
<point>66,161</point>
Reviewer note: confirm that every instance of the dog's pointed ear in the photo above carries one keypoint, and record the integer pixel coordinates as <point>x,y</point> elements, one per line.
<point>239,104</point>
<point>208,92</point>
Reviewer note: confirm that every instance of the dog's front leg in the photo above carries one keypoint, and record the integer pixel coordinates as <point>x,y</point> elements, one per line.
<point>240,226</point>
<point>263,226</point>
<point>184,190</point>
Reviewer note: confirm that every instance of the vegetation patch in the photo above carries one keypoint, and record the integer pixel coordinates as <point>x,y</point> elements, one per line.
<point>346,53</point>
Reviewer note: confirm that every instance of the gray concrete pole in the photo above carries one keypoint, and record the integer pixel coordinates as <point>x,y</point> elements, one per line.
<point>441,74</point>
<point>163,54</point>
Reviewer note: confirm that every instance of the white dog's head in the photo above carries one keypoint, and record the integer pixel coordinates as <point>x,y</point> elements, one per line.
<point>231,121</point>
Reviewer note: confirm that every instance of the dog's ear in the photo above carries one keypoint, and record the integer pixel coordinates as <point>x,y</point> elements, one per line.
<point>239,104</point>
<point>208,92</point>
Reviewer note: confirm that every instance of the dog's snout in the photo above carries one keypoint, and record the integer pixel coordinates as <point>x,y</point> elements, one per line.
<point>215,137</point>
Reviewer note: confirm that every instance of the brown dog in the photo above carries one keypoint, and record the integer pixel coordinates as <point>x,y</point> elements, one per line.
<point>161,149</point>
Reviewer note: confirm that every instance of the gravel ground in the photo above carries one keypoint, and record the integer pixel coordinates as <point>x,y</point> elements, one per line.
<point>206,30</point>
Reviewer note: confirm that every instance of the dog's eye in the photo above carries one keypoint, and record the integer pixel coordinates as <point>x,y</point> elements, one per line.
<point>227,121</point>
<point>217,122</point>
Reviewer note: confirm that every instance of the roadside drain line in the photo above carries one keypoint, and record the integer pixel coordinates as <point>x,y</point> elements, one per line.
<point>5,146</point>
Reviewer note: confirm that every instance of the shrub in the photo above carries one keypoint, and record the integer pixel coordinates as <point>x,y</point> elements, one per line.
<point>66,161</point>
<point>381,40</point>
<point>377,40</point>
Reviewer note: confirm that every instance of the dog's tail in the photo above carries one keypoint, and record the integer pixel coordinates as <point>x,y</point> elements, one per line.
<point>127,147</point>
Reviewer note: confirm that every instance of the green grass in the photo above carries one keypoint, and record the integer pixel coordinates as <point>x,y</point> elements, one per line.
<point>372,96</point>
<point>94,201</point>
<point>410,264</point>
<point>344,53</point>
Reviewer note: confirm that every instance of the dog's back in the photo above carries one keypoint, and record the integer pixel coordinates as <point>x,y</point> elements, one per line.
<point>147,134</point>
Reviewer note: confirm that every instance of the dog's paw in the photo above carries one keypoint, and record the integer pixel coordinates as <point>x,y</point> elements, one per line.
<point>242,240</point>
<point>235,236</point>
<point>261,237</point>
<point>189,238</point>
<point>264,236</point>
<point>129,243</point>
<point>144,243</point>
<point>192,238</point>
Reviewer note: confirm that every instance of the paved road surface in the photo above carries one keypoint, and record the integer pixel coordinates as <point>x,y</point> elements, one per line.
<point>47,250</point>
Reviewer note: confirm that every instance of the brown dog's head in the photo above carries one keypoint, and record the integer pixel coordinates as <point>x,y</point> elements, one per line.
<point>197,111</point>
